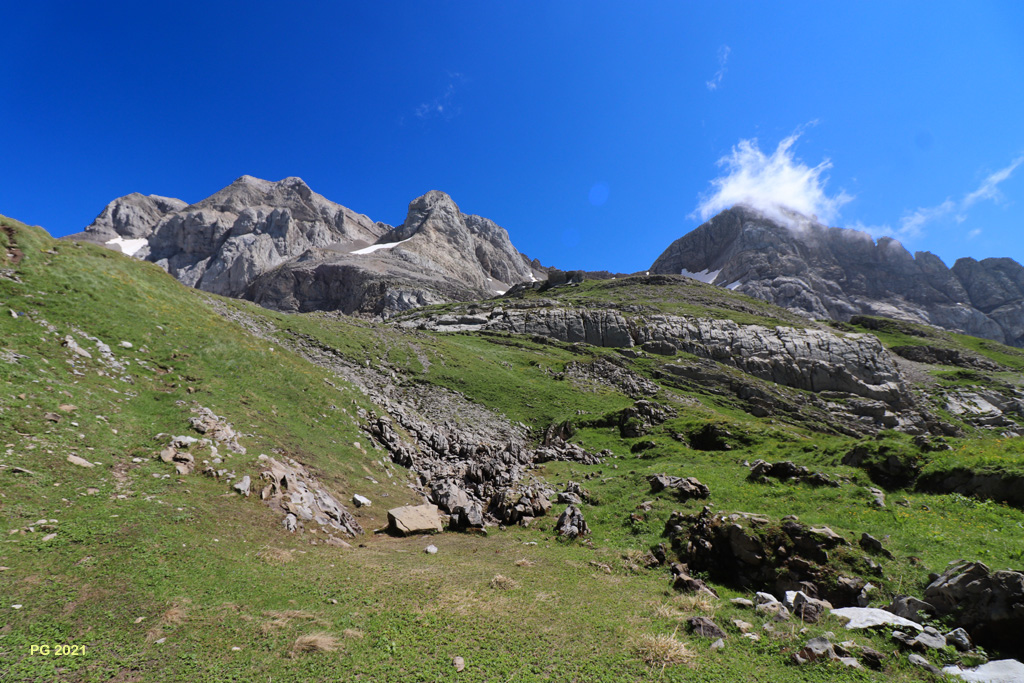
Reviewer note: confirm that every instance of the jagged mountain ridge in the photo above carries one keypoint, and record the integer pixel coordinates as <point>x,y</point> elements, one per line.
<point>838,273</point>
<point>288,248</point>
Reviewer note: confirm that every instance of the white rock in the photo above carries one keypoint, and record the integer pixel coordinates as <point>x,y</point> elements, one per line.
<point>236,649</point>
<point>360,501</point>
<point>866,617</point>
<point>998,671</point>
<point>126,345</point>
<point>430,550</point>
<point>49,537</point>
<point>161,641</point>
<point>16,606</point>
<point>81,462</point>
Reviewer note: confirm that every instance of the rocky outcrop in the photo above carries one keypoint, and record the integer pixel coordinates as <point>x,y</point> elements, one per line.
<point>810,359</point>
<point>838,273</point>
<point>288,248</point>
<point>756,552</point>
<point>292,490</point>
<point>988,604</point>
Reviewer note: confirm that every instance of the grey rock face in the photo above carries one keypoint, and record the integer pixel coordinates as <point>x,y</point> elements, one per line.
<point>988,604</point>
<point>837,273</point>
<point>810,359</point>
<point>288,248</point>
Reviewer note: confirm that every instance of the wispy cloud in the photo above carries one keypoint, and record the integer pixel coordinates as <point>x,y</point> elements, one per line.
<point>912,224</point>
<point>443,106</point>
<point>723,59</point>
<point>776,184</point>
<point>990,187</point>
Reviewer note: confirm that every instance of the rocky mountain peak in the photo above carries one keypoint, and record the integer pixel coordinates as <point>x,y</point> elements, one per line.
<point>284,246</point>
<point>837,273</point>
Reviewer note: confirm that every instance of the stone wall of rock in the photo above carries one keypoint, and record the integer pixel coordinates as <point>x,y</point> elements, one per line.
<point>810,359</point>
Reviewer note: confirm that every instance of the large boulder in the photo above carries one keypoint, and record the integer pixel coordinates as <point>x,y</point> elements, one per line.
<point>988,604</point>
<point>414,519</point>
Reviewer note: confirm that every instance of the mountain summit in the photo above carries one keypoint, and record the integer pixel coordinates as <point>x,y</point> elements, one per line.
<point>837,273</point>
<point>288,248</point>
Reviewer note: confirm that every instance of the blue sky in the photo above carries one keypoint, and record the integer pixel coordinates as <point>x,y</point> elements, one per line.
<point>595,132</point>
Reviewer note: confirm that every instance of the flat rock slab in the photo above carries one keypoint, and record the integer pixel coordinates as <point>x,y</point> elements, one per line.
<point>81,462</point>
<point>998,671</point>
<point>414,519</point>
<point>867,617</point>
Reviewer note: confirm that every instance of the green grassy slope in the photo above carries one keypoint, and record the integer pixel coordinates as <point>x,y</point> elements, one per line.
<point>139,557</point>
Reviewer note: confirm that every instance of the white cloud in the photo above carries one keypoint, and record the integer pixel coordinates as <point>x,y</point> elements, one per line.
<point>776,185</point>
<point>443,106</point>
<point>875,231</point>
<point>990,187</point>
<point>911,224</point>
<point>723,59</point>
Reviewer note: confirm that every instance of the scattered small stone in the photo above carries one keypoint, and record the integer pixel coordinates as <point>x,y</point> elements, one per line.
<point>742,602</point>
<point>16,606</point>
<point>873,658</point>
<point>243,486</point>
<point>139,620</point>
<point>459,663</point>
<point>959,639</point>
<point>81,462</point>
<point>125,345</point>
<point>236,649</point>
<point>878,497</point>
<point>743,626</point>
<point>918,660</point>
<point>718,645</point>
<point>815,649</point>
<point>360,501</point>
<point>161,641</point>
<point>49,537</point>
<point>702,626</point>
<point>431,549</point>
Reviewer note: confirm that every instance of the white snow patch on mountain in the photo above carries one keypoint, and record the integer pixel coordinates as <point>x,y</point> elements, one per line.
<point>707,276</point>
<point>129,247</point>
<point>377,247</point>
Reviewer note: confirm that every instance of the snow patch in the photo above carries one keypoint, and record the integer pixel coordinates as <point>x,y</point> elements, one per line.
<point>734,285</point>
<point>377,247</point>
<point>129,247</point>
<point>707,276</point>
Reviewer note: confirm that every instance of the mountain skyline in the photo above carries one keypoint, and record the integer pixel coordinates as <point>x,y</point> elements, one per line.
<point>595,135</point>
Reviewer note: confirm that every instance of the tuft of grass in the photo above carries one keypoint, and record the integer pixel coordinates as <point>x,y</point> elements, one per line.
<point>525,563</point>
<point>696,603</point>
<point>275,556</point>
<point>353,634</point>
<point>314,642</point>
<point>503,583</point>
<point>662,650</point>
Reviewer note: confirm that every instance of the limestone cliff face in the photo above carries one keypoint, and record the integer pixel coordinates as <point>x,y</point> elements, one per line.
<point>837,273</point>
<point>810,359</point>
<point>286,247</point>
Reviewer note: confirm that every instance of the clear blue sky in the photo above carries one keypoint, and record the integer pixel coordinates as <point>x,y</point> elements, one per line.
<point>592,131</point>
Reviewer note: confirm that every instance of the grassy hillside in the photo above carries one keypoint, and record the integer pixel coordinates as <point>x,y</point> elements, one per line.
<point>164,577</point>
